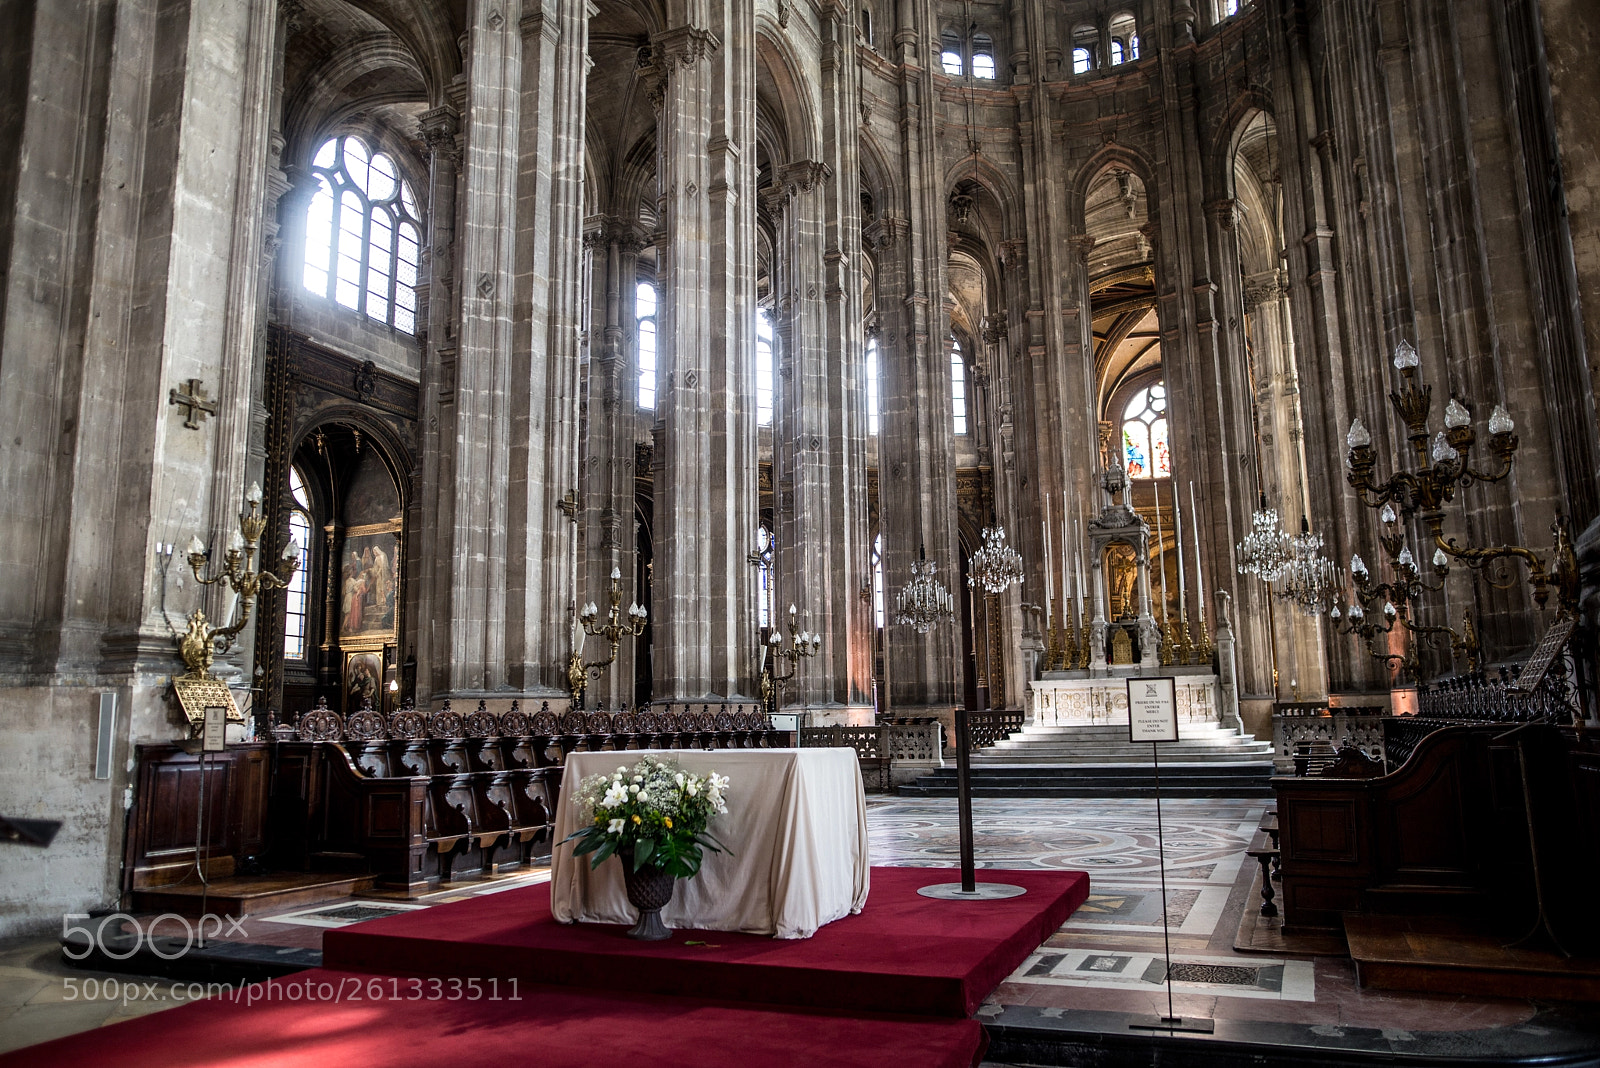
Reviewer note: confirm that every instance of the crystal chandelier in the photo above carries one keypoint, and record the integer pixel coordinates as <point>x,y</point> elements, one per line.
<point>1308,579</point>
<point>996,566</point>
<point>923,601</point>
<point>1267,548</point>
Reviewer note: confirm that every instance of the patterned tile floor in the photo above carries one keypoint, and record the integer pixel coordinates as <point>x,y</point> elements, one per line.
<point>1111,954</point>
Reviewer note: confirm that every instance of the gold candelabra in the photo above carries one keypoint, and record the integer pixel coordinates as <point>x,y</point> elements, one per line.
<point>200,643</point>
<point>1442,464</point>
<point>802,645</point>
<point>613,630</point>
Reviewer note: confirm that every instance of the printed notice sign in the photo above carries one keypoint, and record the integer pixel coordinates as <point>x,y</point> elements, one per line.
<point>214,733</point>
<point>1152,710</point>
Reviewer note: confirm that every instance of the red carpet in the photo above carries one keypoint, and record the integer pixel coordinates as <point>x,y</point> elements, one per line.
<point>549,1028</point>
<point>903,954</point>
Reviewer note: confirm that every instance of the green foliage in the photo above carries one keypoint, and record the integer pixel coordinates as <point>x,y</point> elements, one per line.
<point>655,810</point>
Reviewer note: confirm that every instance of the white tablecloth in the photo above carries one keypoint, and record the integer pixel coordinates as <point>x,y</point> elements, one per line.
<point>797,826</point>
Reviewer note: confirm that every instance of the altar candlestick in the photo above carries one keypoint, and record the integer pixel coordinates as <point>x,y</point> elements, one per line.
<point>1161,552</point>
<point>1077,551</point>
<point>1066,573</point>
<point>1049,577</point>
<point>1199,565</point>
<point>1183,588</point>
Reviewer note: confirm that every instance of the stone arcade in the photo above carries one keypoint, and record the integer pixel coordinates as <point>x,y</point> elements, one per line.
<point>753,304</point>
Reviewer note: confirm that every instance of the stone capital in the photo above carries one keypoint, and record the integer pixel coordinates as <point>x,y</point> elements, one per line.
<point>439,128</point>
<point>803,176</point>
<point>683,46</point>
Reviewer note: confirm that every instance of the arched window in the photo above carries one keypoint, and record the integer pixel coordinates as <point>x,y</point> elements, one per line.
<point>950,55</point>
<point>763,369</point>
<point>1228,8</point>
<point>1144,434</point>
<point>1085,43</point>
<point>363,237</point>
<point>982,56</point>
<point>299,592</point>
<point>958,387</point>
<point>1124,30</point>
<point>877,581</point>
<point>866,25</point>
<point>872,385</point>
<point>644,311</point>
<point>765,544</point>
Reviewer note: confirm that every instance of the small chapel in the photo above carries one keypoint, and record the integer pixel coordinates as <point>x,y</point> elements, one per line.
<point>413,406</point>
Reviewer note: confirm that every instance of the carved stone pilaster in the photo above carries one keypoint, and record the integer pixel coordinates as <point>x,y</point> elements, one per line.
<point>441,128</point>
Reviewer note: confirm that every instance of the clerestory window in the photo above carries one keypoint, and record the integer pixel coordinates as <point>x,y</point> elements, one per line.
<point>363,234</point>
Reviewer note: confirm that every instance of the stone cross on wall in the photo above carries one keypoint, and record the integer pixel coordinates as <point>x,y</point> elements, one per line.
<point>192,397</point>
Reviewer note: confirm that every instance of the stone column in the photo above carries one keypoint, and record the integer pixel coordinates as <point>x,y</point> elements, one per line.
<point>706,505</point>
<point>608,535</point>
<point>440,129</point>
<point>813,429</point>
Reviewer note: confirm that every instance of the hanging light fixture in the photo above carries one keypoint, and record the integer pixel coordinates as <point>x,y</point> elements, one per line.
<point>1308,579</point>
<point>1266,549</point>
<point>924,601</point>
<point>996,566</point>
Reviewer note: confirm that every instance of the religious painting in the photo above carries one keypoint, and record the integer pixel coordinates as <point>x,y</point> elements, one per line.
<point>363,679</point>
<point>367,584</point>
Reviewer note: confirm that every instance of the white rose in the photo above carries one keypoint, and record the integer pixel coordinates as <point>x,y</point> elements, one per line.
<point>634,788</point>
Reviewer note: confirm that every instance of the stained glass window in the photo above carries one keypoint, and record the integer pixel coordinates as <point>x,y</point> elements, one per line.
<point>363,238</point>
<point>1144,434</point>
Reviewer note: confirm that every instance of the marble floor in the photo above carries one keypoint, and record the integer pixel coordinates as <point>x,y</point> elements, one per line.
<point>1111,956</point>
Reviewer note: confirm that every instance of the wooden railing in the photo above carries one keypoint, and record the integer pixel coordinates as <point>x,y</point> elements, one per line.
<point>985,728</point>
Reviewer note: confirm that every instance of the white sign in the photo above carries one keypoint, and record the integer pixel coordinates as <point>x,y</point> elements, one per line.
<point>1152,710</point>
<point>214,734</point>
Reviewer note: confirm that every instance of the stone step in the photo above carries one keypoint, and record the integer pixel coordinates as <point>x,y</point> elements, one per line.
<point>1016,778</point>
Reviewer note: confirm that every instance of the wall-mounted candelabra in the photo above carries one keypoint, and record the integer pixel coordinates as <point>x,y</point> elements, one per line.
<point>579,671</point>
<point>1442,463</point>
<point>201,642</point>
<point>802,645</point>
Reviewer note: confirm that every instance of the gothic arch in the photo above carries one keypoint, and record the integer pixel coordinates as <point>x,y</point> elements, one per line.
<point>791,110</point>
<point>1109,158</point>
<point>323,101</point>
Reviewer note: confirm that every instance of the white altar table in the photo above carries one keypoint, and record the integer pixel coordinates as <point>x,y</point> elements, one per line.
<point>796,825</point>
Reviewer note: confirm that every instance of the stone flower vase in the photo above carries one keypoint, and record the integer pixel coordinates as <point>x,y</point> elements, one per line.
<point>649,890</point>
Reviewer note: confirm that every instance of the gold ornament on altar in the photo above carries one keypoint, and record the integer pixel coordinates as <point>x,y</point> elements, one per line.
<point>200,641</point>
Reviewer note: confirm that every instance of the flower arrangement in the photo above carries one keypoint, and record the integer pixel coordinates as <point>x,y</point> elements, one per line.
<point>654,811</point>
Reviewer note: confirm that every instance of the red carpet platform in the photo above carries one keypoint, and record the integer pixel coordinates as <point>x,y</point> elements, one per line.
<point>317,1019</point>
<point>903,954</point>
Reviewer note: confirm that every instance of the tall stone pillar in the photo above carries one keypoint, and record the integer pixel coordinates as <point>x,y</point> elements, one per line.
<point>706,505</point>
<point>504,395</point>
<point>821,516</point>
<point>607,539</point>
